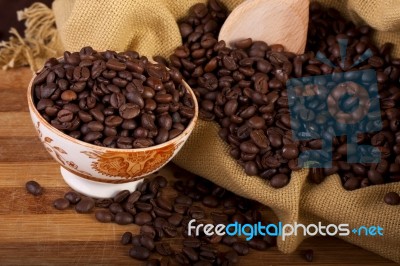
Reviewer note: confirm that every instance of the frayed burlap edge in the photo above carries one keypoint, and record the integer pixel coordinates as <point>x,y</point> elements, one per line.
<point>41,39</point>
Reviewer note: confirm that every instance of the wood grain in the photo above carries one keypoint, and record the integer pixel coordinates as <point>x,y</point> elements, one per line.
<point>32,232</point>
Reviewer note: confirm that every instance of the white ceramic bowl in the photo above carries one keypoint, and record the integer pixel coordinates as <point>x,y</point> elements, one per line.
<point>101,172</point>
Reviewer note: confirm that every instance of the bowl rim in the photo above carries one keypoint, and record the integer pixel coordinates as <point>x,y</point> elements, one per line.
<point>188,129</point>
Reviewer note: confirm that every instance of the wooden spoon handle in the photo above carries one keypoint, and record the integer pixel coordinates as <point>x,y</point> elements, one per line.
<point>273,21</point>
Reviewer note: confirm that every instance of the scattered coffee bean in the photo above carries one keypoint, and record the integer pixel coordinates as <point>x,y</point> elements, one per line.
<point>85,205</point>
<point>34,188</point>
<point>123,218</point>
<point>392,198</point>
<point>309,255</point>
<point>73,197</point>
<point>61,204</point>
<point>126,238</point>
<point>139,253</point>
<point>104,216</point>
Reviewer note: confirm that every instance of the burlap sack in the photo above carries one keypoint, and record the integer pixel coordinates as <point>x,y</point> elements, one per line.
<point>150,28</point>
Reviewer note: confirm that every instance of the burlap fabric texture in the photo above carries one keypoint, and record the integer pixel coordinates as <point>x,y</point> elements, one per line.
<point>150,28</point>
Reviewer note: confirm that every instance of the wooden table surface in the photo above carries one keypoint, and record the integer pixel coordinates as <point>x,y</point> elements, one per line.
<point>32,232</point>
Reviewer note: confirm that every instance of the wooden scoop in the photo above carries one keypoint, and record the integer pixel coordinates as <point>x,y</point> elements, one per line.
<point>272,21</point>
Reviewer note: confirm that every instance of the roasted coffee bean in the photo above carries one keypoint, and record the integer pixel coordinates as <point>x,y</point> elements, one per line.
<point>123,218</point>
<point>210,201</point>
<point>309,255</point>
<point>61,204</point>
<point>229,240</point>
<point>34,188</point>
<point>392,198</point>
<point>85,205</point>
<point>279,180</point>
<point>315,175</point>
<point>115,207</point>
<point>170,230</point>
<point>126,238</point>
<point>175,219</point>
<point>257,244</point>
<point>190,253</point>
<point>240,248</point>
<point>148,231</point>
<point>103,203</point>
<point>196,212</point>
<point>232,256</point>
<point>164,249</point>
<point>136,240</point>
<point>181,258</point>
<point>142,218</point>
<point>121,196</point>
<point>147,242</point>
<point>192,242</point>
<point>73,197</point>
<point>139,253</point>
<point>104,216</point>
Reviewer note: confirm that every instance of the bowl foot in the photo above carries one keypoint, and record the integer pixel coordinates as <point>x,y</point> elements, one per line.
<point>96,189</point>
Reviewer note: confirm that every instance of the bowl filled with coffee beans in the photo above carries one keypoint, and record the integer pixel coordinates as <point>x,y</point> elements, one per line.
<point>110,118</point>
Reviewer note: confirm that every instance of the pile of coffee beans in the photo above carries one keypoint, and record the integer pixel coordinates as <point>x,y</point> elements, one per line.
<point>116,100</point>
<point>243,88</point>
<point>164,215</point>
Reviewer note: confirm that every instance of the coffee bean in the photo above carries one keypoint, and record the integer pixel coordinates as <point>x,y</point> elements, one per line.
<point>182,199</point>
<point>73,197</point>
<point>142,218</point>
<point>190,253</point>
<point>103,203</point>
<point>121,196</point>
<point>315,175</point>
<point>148,231</point>
<point>210,201</point>
<point>309,255</point>
<point>181,258</point>
<point>164,249</point>
<point>196,212</point>
<point>115,207</point>
<point>126,238</point>
<point>61,204</point>
<point>240,248</point>
<point>229,240</point>
<point>139,253</point>
<point>192,242</point>
<point>392,198</point>
<point>290,151</point>
<point>279,180</point>
<point>147,242</point>
<point>175,219</point>
<point>85,205</point>
<point>104,216</point>
<point>170,230</point>
<point>68,95</point>
<point>34,188</point>
<point>123,218</point>
<point>232,256</point>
